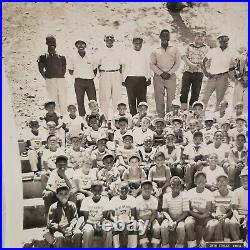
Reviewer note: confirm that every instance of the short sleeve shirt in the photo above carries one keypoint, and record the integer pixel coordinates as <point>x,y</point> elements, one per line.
<point>213,174</point>
<point>240,198</point>
<point>146,207</point>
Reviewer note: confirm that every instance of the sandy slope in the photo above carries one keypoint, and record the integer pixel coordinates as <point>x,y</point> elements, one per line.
<point>25,26</point>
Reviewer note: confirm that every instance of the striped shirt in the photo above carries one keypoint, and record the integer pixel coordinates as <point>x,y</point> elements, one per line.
<point>177,205</point>
<point>240,198</point>
<point>222,203</point>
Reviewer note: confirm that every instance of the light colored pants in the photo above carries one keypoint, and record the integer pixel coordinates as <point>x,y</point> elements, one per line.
<point>180,231</point>
<point>240,95</point>
<point>33,159</point>
<point>88,236</point>
<point>160,86</point>
<point>57,91</point>
<point>218,84</point>
<point>110,87</point>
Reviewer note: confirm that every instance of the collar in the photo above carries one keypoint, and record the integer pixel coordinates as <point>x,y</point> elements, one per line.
<point>195,46</point>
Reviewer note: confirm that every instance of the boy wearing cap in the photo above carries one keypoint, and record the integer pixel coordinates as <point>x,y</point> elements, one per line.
<point>208,131</point>
<point>178,131</point>
<point>222,113</point>
<point>140,133</point>
<point>240,208</point>
<point>122,209</point>
<point>52,67</point>
<point>124,152</point>
<point>122,113</point>
<point>193,75</point>
<point>194,158</point>
<point>62,219</point>
<point>241,128</point>
<point>94,111</point>
<point>175,112</point>
<point>237,160</point>
<point>62,175</point>
<point>35,138</point>
<point>84,69</point>
<point>159,132</point>
<point>142,112</point>
<point>175,209</point>
<point>123,128</point>
<point>222,208</point>
<point>200,205</point>
<point>136,76</point>
<point>94,213</point>
<point>146,211</point>
<point>164,62</point>
<point>222,60</point>
<point>110,68</point>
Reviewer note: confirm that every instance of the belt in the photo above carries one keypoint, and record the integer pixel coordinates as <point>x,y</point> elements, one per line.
<point>220,74</point>
<point>112,70</point>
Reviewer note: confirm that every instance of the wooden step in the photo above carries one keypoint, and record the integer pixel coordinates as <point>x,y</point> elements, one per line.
<point>34,213</point>
<point>32,187</point>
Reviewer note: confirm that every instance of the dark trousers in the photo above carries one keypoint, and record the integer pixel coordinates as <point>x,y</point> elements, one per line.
<point>82,86</point>
<point>193,80</point>
<point>137,92</point>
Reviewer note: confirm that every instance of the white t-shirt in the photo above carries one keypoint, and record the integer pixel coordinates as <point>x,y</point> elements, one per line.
<point>213,174</point>
<point>240,198</point>
<point>35,140</point>
<point>199,199</point>
<point>85,180</point>
<point>145,207</point>
<point>222,151</point>
<point>95,209</point>
<point>83,66</point>
<point>55,180</point>
<point>177,205</point>
<point>50,157</point>
<point>118,137</point>
<point>222,203</point>
<point>140,135</point>
<point>122,208</point>
<point>221,61</point>
<point>73,124</point>
<point>191,151</point>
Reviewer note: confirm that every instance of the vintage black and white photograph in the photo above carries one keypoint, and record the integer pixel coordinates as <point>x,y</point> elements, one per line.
<point>128,124</point>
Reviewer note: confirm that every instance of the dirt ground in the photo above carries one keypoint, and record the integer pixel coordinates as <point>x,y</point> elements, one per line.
<point>25,26</point>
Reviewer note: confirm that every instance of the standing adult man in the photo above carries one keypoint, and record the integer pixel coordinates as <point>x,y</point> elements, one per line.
<point>164,62</point>
<point>110,68</point>
<point>84,70</point>
<point>193,75</point>
<point>136,75</point>
<point>222,62</point>
<point>52,67</point>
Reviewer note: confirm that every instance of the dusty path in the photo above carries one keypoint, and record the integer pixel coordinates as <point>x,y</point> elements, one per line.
<point>25,26</point>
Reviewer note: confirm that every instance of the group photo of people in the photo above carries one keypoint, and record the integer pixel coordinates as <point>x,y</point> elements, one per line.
<point>132,131</point>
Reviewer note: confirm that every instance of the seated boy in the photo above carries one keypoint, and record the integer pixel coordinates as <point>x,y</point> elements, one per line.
<point>159,132</point>
<point>175,209</point>
<point>122,208</point>
<point>208,131</point>
<point>140,133</point>
<point>222,209</point>
<point>176,112</point>
<point>123,128</point>
<point>62,219</point>
<point>122,113</point>
<point>142,112</point>
<point>61,175</point>
<point>94,212</point>
<point>200,203</point>
<point>35,139</point>
<point>146,210</point>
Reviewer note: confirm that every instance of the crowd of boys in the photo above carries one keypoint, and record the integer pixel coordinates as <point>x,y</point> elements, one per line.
<point>173,181</point>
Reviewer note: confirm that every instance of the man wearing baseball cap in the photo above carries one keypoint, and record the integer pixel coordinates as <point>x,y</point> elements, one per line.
<point>110,81</point>
<point>165,61</point>
<point>84,69</point>
<point>222,61</point>
<point>52,67</point>
<point>136,75</point>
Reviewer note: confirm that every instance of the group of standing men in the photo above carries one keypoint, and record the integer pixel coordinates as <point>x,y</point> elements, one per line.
<point>134,70</point>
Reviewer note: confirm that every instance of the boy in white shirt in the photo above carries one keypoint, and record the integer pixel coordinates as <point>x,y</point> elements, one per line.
<point>94,211</point>
<point>200,202</point>
<point>146,209</point>
<point>122,113</point>
<point>122,208</point>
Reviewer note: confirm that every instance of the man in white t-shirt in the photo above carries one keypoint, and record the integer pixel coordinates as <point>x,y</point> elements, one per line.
<point>123,209</point>
<point>60,176</point>
<point>146,209</point>
<point>94,211</point>
<point>223,60</point>
<point>175,208</point>
<point>200,203</point>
